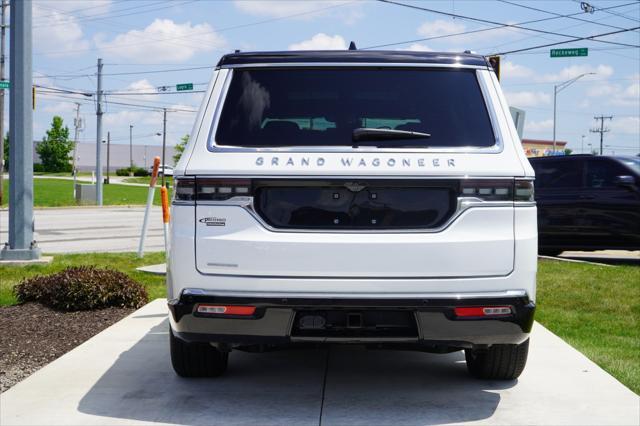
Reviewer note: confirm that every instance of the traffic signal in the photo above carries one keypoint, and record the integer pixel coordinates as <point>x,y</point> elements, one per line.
<point>495,64</point>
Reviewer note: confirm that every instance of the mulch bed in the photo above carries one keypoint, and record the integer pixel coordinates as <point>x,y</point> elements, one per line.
<point>32,335</point>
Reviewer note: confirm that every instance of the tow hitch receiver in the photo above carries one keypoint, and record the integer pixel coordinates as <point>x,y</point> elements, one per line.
<point>348,323</point>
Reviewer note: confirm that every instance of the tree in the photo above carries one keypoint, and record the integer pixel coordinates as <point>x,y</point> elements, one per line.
<point>179,148</point>
<point>568,151</point>
<point>55,148</point>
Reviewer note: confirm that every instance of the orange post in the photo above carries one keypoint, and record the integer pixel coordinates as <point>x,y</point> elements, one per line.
<point>154,173</point>
<point>166,215</point>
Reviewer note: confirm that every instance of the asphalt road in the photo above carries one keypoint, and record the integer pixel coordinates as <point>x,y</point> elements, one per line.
<point>92,229</point>
<point>123,376</point>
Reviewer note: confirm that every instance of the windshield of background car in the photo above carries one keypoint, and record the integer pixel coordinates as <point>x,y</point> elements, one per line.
<point>282,107</point>
<point>634,163</point>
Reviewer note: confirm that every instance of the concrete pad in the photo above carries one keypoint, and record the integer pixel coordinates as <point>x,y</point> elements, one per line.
<point>159,269</point>
<point>123,376</point>
<point>44,260</point>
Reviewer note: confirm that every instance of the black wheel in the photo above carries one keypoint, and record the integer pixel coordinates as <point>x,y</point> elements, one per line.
<point>498,362</point>
<point>196,359</point>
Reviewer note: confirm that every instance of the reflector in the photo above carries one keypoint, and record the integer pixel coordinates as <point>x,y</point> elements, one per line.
<point>226,310</point>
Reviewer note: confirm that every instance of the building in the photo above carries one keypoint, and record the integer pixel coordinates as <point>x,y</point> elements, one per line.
<point>542,148</point>
<point>118,156</point>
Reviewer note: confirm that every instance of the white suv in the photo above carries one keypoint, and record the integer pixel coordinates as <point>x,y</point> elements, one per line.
<point>358,197</point>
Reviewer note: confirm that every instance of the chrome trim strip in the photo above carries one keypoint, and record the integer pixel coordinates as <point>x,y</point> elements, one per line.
<point>463,204</point>
<point>356,295</point>
<point>495,149</point>
<point>353,64</point>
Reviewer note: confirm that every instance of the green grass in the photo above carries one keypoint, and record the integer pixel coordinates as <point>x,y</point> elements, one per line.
<point>59,193</point>
<point>596,309</point>
<point>146,180</point>
<point>124,262</point>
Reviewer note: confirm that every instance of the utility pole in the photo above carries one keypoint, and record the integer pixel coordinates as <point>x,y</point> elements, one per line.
<point>130,149</point>
<point>164,141</point>
<point>3,29</point>
<point>108,153</point>
<point>582,145</point>
<point>21,245</point>
<point>602,130</point>
<point>76,124</point>
<point>99,137</point>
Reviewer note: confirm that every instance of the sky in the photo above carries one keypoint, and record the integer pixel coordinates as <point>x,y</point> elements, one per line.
<point>148,44</point>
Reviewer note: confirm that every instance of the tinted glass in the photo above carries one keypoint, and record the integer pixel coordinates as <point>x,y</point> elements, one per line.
<point>557,173</point>
<point>319,107</point>
<point>633,163</point>
<point>602,173</point>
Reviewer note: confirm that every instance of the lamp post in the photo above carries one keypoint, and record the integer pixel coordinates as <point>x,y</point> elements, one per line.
<point>557,89</point>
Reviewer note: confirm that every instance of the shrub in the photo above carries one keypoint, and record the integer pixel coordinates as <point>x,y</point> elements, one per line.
<point>82,288</point>
<point>137,171</point>
<point>38,168</point>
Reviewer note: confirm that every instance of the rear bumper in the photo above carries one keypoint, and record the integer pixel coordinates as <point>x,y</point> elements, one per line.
<point>274,321</point>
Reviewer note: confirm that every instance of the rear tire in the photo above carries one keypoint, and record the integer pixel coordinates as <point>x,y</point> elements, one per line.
<point>196,359</point>
<point>498,362</point>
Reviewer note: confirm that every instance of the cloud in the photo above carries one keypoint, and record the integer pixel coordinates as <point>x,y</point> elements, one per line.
<point>440,27</point>
<point>56,32</point>
<point>538,126</point>
<point>443,30</point>
<point>281,9</point>
<point>417,47</point>
<point>510,70</point>
<point>602,72</point>
<point>164,39</point>
<point>616,94</point>
<point>627,125</point>
<point>321,41</point>
<point>527,99</point>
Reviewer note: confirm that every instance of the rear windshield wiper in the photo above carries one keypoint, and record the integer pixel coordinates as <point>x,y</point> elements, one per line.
<point>367,134</point>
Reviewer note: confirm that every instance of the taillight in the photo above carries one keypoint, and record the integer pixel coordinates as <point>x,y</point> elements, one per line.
<point>226,310</point>
<point>210,189</point>
<point>498,189</point>
<point>488,189</point>
<point>482,311</point>
<point>184,189</point>
<point>524,190</point>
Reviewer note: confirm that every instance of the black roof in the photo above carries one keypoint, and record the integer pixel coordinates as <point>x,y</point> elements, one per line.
<point>353,56</point>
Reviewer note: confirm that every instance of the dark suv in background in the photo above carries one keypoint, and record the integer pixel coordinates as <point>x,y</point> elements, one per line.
<point>587,202</point>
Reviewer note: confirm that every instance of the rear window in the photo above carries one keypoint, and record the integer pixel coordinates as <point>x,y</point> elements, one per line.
<point>282,107</point>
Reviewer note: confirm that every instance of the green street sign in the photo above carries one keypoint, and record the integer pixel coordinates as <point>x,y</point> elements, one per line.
<point>184,86</point>
<point>4,84</point>
<point>564,53</point>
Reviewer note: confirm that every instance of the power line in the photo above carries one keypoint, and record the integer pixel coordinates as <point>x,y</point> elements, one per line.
<point>559,15</point>
<point>567,41</point>
<point>482,29</point>
<point>613,13</point>
<point>192,35</point>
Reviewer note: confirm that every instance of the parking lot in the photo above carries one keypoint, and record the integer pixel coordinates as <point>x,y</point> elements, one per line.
<point>124,376</point>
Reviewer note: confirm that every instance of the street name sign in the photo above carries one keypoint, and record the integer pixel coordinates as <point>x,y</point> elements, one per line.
<point>564,53</point>
<point>4,84</point>
<point>184,86</point>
